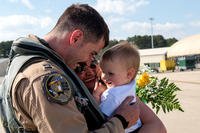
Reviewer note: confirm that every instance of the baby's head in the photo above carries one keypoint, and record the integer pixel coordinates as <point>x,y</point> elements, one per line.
<point>120,64</point>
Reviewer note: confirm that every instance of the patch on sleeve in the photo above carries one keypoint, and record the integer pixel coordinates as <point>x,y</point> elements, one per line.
<point>57,88</point>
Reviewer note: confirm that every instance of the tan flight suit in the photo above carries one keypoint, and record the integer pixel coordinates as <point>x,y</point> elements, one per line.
<point>35,112</point>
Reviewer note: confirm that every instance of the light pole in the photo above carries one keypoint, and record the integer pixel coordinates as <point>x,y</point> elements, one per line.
<point>151,20</point>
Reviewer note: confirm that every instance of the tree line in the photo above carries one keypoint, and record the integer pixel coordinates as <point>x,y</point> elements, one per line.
<point>142,42</point>
<point>5,48</point>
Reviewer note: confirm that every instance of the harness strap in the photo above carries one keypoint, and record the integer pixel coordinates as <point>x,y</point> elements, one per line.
<point>10,122</point>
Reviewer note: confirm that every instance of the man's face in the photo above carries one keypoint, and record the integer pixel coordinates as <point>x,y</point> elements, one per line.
<point>85,53</point>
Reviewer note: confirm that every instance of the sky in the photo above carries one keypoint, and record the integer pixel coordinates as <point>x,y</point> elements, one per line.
<point>125,18</point>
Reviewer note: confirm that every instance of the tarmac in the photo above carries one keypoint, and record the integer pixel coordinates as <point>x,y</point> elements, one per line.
<point>189,120</point>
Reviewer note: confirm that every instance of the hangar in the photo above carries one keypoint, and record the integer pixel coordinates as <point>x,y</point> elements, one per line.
<point>186,52</point>
<point>186,47</point>
<point>152,57</point>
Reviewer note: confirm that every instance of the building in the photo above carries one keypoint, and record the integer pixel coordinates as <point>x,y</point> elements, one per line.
<point>152,57</point>
<point>186,52</point>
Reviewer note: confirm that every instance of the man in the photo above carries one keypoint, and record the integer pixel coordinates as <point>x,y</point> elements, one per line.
<point>45,95</point>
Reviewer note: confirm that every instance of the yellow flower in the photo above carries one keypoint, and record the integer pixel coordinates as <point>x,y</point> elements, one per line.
<point>143,80</point>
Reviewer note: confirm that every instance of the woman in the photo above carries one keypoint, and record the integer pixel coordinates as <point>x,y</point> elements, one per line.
<point>90,76</point>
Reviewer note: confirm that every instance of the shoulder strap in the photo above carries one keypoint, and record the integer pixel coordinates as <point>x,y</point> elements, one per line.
<point>10,123</point>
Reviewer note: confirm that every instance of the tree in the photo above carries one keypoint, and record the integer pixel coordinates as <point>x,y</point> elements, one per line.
<point>113,42</point>
<point>171,41</point>
<point>5,48</point>
<point>159,41</point>
<point>144,42</point>
<point>141,41</point>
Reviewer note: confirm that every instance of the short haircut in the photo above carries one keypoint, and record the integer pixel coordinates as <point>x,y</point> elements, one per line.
<point>85,18</point>
<point>126,52</point>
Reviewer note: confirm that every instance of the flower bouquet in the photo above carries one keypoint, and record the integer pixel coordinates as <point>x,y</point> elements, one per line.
<point>160,93</point>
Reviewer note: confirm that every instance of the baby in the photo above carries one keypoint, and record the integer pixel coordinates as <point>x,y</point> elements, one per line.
<point>119,65</point>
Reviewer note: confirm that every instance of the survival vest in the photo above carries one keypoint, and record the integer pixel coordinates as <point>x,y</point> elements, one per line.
<point>23,52</point>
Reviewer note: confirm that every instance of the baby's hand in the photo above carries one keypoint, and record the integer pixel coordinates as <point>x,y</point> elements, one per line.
<point>98,90</point>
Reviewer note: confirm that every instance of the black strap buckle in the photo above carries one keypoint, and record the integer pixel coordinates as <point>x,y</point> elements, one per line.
<point>22,130</point>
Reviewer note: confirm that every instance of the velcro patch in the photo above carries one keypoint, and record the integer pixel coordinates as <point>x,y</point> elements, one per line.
<point>57,88</point>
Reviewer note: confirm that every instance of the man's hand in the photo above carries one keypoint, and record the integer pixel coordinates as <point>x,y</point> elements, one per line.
<point>129,111</point>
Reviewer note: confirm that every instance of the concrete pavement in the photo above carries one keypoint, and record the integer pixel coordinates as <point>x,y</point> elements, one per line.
<point>189,120</point>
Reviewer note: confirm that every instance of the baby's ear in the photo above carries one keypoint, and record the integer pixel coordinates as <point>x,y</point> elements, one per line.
<point>131,73</point>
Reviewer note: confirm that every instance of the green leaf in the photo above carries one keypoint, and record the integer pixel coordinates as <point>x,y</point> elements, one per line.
<point>161,94</point>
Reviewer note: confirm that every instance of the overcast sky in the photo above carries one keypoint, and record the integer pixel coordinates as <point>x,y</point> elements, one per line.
<point>125,18</point>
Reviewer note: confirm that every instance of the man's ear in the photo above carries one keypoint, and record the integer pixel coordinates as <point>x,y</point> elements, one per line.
<point>76,37</point>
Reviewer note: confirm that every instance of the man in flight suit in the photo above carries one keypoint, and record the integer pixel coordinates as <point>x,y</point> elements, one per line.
<point>46,96</point>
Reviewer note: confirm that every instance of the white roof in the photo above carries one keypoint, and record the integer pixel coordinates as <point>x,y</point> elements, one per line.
<point>186,46</point>
<point>154,51</point>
